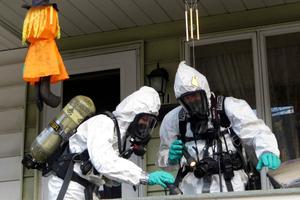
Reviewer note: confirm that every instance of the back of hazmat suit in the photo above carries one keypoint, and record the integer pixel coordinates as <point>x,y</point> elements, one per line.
<point>251,130</point>
<point>99,136</point>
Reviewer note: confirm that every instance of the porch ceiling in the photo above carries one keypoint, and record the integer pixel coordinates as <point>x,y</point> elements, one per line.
<point>80,17</point>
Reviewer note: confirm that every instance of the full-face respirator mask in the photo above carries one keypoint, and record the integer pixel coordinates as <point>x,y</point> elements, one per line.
<point>195,104</point>
<point>140,131</point>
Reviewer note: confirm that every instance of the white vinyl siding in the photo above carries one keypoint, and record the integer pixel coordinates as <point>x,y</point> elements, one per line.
<point>12,106</point>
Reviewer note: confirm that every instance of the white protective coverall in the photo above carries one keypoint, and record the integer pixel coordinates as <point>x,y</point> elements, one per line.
<point>244,122</point>
<point>98,135</point>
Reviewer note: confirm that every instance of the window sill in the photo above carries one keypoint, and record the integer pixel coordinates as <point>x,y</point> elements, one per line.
<point>275,194</point>
<point>260,194</point>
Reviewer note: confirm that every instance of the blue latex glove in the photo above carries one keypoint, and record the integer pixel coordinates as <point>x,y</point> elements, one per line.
<point>175,151</point>
<point>269,160</point>
<point>160,178</point>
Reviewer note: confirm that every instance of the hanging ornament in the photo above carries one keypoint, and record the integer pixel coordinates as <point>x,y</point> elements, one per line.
<point>43,63</point>
<point>191,20</point>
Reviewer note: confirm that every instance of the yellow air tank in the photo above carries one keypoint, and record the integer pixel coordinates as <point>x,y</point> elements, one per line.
<point>62,127</point>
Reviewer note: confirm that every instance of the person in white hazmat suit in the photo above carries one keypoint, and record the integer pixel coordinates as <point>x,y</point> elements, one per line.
<point>136,117</point>
<point>194,95</point>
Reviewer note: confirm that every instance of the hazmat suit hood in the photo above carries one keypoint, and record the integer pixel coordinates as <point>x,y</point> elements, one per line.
<point>144,100</point>
<point>188,79</point>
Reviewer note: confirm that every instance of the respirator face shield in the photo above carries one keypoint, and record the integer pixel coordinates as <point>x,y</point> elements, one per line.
<point>142,126</point>
<point>195,103</point>
<point>140,131</point>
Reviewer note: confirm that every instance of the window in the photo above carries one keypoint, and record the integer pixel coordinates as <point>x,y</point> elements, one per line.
<point>283,63</point>
<point>228,67</point>
<point>261,67</point>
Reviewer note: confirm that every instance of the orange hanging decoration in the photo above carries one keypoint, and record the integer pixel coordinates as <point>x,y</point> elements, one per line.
<point>43,63</point>
<point>40,28</point>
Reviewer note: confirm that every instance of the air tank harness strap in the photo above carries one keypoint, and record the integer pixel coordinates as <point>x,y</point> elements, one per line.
<point>71,159</point>
<point>66,182</point>
<point>110,115</point>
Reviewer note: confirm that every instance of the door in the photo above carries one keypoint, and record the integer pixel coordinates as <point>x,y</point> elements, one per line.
<point>107,79</point>
<point>103,87</point>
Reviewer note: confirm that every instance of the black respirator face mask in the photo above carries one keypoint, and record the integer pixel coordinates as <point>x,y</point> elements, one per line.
<point>140,131</point>
<point>196,105</point>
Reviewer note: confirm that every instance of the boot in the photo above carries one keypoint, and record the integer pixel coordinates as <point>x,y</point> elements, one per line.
<point>38,98</point>
<point>48,97</point>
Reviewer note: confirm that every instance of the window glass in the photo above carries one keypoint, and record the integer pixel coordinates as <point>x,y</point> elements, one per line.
<point>283,58</point>
<point>228,67</point>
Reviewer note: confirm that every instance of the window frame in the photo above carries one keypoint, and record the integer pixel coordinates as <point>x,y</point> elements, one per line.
<point>228,37</point>
<point>258,37</point>
<point>262,35</point>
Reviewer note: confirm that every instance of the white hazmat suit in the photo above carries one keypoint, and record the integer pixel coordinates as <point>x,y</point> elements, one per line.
<point>98,135</point>
<point>244,122</point>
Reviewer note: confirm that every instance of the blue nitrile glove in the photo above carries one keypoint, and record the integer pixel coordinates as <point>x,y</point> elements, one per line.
<point>160,178</point>
<point>175,151</point>
<point>269,160</point>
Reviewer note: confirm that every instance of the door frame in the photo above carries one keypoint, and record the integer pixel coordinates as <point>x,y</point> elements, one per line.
<point>129,59</point>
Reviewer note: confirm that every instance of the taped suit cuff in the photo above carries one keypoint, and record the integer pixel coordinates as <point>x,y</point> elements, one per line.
<point>144,178</point>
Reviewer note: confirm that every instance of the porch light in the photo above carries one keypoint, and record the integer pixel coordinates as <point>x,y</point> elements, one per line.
<point>158,79</point>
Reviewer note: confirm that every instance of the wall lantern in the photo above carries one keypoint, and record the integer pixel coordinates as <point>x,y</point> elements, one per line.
<point>158,79</point>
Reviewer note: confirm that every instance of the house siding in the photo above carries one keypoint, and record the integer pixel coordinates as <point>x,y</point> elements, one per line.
<point>12,120</point>
<point>163,44</point>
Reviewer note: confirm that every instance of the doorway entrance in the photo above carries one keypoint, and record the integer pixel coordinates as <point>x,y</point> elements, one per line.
<point>103,88</point>
<point>114,75</point>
